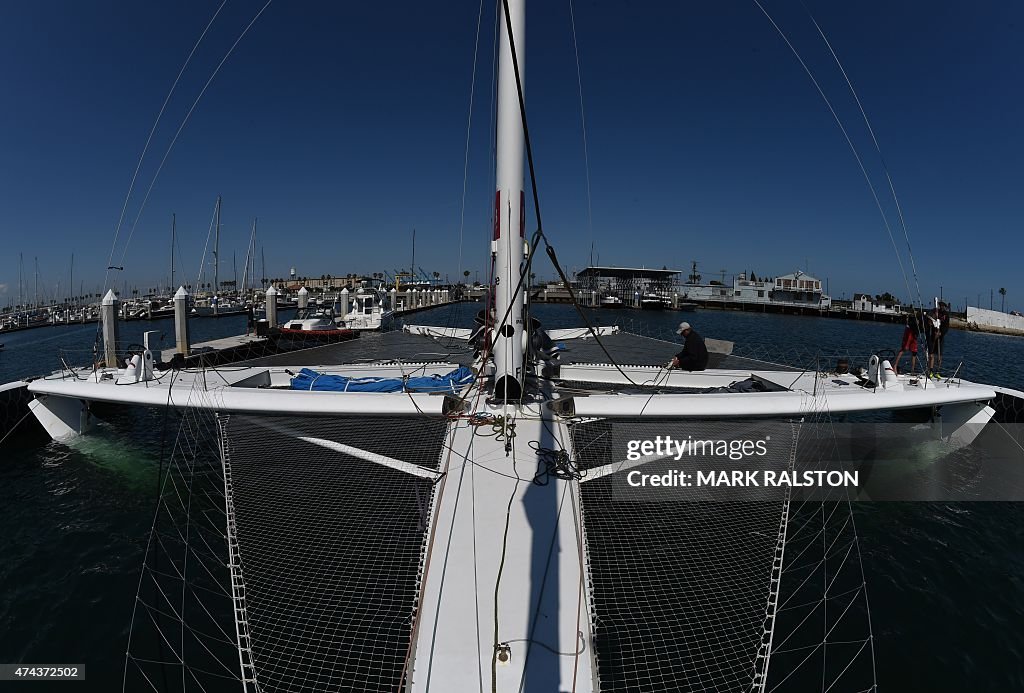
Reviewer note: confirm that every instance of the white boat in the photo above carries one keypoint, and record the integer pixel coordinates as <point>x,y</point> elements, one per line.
<point>652,301</point>
<point>371,309</point>
<point>471,530</point>
<point>610,301</point>
<point>314,324</point>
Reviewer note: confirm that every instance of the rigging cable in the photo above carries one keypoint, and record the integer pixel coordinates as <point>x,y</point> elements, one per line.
<point>184,122</point>
<point>149,139</point>
<point>871,131</point>
<point>583,124</point>
<point>469,129</point>
<point>846,135</point>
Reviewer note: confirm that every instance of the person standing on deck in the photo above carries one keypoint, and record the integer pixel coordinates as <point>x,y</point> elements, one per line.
<point>694,356</point>
<point>932,325</point>
<point>943,329</point>
<point>909,343</point>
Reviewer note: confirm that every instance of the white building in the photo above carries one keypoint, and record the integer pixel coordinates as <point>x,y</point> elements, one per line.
<point>798,289</point>
<point>866,303</point>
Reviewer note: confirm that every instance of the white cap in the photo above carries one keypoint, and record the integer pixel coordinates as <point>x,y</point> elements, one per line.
<point>683,326</point>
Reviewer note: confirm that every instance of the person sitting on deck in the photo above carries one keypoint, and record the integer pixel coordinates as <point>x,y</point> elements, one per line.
<point>694,356</point>
<point>909,343</point>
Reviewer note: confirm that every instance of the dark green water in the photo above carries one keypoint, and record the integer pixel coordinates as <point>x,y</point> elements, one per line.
<point>945,581</point>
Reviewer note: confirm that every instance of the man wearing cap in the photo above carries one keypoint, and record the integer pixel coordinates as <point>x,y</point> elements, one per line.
<point>694,356</point>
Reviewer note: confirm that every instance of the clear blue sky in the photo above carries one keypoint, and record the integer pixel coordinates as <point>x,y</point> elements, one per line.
<point>342,127</point>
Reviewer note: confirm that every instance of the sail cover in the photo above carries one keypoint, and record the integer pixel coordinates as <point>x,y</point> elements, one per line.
<point>308,379</point>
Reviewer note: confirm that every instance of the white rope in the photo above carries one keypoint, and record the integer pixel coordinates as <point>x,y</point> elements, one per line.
<point>469,129</point>
<point>184,122</point>
<point>145,148</point>
<point>846,136</point>
<point>871,131</point>
<point>583,123</point>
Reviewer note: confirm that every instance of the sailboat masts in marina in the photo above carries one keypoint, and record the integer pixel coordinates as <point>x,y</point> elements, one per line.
<point>173,224</point>
<point>246,267</point>
<point>509,207</point>
<point>252,255</point>
<point>216,252</point>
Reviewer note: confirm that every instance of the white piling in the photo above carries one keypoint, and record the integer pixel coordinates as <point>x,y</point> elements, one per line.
<point>109,310</point>
<point>181,344</point>
<point>394,299</point>
<point>344,301</point>
<point>271,306</point>
<point>303,298</point>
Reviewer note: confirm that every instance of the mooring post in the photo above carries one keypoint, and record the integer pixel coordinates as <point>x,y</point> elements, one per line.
<point>181,344</point>
<point>271,306</point>
<point>109,311</point>
<point>344,301</point>
<point>303,298</point>
<point>394,299</point>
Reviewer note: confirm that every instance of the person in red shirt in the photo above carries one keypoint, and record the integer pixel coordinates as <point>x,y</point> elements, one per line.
<point>909,343</point>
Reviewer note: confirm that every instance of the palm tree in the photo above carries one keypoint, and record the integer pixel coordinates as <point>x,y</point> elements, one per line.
<point>1002,294</point>
<point>466,275</point>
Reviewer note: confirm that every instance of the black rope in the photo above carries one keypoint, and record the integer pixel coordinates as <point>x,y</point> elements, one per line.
<point>555,463</point>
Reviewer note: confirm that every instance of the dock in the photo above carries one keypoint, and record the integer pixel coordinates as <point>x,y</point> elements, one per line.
<point>224,350</point>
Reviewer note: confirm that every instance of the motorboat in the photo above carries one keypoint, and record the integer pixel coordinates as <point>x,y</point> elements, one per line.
<point>611,301</point>
<point>314,324</point>
<point>652,301</point>
<point>371,309</point>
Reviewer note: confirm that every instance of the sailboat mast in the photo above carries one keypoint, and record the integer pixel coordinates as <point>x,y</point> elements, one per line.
<point>71,279</point>
<point>509,208</point>
<point>174,220</point>
<point>252,255</point>
<point>216,253</point>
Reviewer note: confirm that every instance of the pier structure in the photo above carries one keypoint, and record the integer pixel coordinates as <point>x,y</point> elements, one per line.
<point>627,283</point>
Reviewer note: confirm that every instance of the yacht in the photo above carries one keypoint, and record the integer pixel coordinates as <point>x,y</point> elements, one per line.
<point>371,310</point>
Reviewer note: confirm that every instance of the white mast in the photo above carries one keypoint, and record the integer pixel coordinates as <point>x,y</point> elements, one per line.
<point>216,253</point>
<point>507,246</point>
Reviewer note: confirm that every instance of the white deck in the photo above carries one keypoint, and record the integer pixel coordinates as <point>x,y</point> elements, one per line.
<point>541,596</point>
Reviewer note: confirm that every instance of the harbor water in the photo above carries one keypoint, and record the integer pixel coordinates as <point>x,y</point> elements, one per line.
<point>945,580</point>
